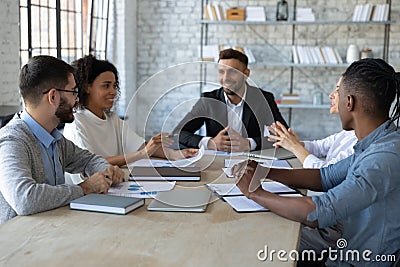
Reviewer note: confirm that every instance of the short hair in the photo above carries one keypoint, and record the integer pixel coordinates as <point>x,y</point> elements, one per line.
<point>42,73</point>
<point>235,54</point>
<point>376,83</point>
<point>86,70</point>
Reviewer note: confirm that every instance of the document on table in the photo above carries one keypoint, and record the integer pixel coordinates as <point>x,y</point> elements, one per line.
<point>140,189</point>
<point>168,163</point>
<point>276,164</point>
<point>233,190</point>
<point>243,204</point>
<point>222,153</point>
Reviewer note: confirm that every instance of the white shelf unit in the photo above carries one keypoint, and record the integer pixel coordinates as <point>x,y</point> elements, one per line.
<point>205,24</point>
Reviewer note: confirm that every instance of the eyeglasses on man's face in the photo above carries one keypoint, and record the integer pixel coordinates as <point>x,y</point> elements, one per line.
<point>74,91</point>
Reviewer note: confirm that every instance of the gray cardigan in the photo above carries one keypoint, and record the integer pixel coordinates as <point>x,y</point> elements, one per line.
<point>23,188</point>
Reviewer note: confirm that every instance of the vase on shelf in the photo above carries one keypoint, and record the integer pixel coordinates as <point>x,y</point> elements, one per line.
<point>353,53</point>
<point>282,10</point>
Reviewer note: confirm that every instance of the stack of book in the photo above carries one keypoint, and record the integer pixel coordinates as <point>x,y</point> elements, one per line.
<point>290,99</point>
<point>370,12</point>
<point>214,12</point>
<point>211,52</point>
<point>255,13</point>
<point>305,14</point>
<point>315,55</point>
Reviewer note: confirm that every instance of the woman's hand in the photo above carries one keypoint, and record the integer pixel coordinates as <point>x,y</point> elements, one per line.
<point>154,144</point>
<point>283,137</point>
<point>288,140</point>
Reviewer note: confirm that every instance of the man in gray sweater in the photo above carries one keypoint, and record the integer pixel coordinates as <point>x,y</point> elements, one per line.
<point>34,155</point>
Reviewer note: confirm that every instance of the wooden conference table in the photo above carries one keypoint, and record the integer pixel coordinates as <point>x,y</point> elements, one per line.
<point>218,237</point>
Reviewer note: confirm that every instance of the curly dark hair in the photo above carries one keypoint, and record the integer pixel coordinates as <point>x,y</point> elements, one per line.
<point>86,70</point>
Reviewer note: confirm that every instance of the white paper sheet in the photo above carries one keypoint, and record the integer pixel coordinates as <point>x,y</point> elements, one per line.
<point>140,189</point>
<point>232,189</point>
<point>189,162</point>
<point>277,164</point>
<point>243,204</point>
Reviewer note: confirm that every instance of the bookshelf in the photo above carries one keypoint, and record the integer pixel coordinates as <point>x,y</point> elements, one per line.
<point>287,62</point>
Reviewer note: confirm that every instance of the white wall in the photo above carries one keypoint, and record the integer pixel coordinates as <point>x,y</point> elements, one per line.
<point>9,49</point>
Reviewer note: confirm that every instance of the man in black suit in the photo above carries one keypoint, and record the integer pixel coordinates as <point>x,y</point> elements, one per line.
<point>234,115</point>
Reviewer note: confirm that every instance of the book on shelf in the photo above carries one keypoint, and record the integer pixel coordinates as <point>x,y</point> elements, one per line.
<point>214,12</point>
<point>370,12</point>
<point>211,52</point>
<point>380,12</point>
<point>304,14</point>
<point>315,55</point>
<point>106,203</point>
<point>219,11</point>
<point>290,99</point>
<point>255,13</point>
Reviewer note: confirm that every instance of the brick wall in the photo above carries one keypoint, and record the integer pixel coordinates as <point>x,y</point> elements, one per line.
<point>9,59</point>
<point>169,34</point>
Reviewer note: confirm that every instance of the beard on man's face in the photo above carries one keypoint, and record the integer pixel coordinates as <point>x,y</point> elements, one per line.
<point>65,112</point>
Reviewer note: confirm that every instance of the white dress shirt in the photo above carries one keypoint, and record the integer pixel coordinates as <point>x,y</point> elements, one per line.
<point>235,115</point>
<point>334,148</point>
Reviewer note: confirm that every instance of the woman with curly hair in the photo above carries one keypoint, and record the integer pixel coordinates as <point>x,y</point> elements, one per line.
<point>99,129</point>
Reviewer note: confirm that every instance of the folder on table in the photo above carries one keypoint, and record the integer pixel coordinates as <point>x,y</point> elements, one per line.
<point>181,199</point>
<point>106,203</point>
<point>165,173</point>
<point>271,153</point>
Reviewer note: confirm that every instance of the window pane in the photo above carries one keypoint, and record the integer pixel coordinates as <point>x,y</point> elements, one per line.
<point>105,8</point>
<point>52,3</point>
<point>71,31</point>
<point>44,33</point>
<point>64,4</point>
<point>71,5</point>
<point>78,30</point>
<point>44,51</point>
<point>35,26</point>
<point>44,29</point>
<point>96,8</point>
<point>53,29</point>
<point>78,6</point>
<point>23,2</point>
<point>53,52</point>
<point>64,29</point>
<point>24,57</point>
<point>24,28</point>
<point>36,52</point>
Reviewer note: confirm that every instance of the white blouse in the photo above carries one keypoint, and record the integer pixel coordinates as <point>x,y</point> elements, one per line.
<point>108,137</point>
<point>334,148</point>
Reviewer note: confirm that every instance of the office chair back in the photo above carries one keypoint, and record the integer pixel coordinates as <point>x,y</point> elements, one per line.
<point>5,119</point>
